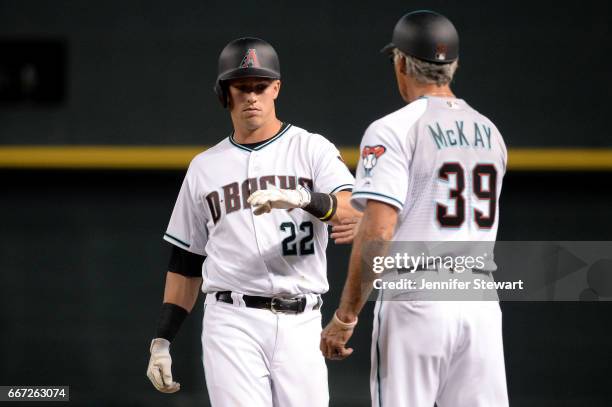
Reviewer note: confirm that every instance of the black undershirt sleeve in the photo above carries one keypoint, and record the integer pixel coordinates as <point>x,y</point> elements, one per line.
<point>185,263</point>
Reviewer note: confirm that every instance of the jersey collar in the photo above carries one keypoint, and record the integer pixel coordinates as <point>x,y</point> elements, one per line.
<point>283,130</point>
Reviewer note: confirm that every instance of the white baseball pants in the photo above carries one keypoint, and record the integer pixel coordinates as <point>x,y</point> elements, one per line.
<point>449,353</point>
<point>256,358</point>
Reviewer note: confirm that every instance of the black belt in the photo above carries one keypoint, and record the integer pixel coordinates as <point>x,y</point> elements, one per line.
<point>274,304</point>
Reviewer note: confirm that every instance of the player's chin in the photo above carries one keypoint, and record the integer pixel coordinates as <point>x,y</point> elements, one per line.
<point>252,122</point>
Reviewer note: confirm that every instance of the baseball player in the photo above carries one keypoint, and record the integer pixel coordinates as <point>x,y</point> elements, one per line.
<point>430,171</point>
<point>263,275</point>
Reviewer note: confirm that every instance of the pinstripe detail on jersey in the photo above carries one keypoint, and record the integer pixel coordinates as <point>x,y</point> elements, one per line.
<point>174,240</point>
<point>376,196</point>
<point>342,187</point>
<point>283,130</point>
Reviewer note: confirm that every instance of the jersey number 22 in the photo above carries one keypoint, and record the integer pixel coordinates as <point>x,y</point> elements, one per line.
<point>306,245</point>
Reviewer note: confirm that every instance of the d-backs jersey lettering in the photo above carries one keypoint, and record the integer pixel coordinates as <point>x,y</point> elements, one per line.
<point>280,253</point>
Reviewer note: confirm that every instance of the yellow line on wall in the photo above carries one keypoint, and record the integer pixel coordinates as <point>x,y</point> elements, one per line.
<point>559,159</point>
<point>178,157</point>
<point>98,157</point>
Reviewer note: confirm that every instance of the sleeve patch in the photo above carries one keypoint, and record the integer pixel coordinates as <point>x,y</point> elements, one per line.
<point>370,156</point>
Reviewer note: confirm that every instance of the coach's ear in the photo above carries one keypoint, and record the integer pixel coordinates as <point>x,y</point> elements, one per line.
<point>401,64</point>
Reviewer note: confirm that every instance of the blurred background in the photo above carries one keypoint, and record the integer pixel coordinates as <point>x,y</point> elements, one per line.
<point>103,104</point>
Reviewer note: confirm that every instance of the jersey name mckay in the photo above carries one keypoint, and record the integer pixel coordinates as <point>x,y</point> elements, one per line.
<point>480,135</point>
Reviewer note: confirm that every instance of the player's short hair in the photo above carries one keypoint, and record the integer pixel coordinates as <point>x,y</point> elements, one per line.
<point>427,72</point>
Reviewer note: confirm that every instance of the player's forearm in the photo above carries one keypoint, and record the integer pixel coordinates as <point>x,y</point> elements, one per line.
<point>180,295</point>
<point>344,209</point>
<point>182,290</point>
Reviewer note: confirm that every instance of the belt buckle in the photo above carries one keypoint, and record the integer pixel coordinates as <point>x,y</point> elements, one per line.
<point>274,310</point>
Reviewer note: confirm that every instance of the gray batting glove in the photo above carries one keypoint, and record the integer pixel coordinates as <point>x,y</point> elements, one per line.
<point>264,200</point>
<point>159,370</point>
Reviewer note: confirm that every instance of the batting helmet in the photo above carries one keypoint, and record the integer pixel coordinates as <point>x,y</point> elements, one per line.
<point>425,35</point>
<point>243,58</point>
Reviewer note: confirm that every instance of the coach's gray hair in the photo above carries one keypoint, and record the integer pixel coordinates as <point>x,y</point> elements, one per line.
<point>427,72</point>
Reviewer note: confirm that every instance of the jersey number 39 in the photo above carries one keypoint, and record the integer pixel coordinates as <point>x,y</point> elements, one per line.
<point>484,187</point>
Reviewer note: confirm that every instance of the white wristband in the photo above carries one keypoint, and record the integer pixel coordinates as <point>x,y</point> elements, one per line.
<point>304,196</point>
<point>342,324</point>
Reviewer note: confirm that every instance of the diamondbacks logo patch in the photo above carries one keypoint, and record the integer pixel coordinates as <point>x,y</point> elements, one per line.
<point>250,59</point>
<point>370,156</point>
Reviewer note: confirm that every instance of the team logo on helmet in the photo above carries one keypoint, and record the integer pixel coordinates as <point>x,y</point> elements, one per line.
<point>370,155</point>
<point>250,59</point>
<point>441,51</point>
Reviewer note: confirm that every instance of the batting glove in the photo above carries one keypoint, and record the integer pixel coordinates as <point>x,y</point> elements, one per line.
<point>159,370</point>
<point>264,200</point>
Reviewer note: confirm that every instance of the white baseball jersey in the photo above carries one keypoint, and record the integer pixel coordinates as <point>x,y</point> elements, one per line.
<point>441,163</point>
<point>280,253</point>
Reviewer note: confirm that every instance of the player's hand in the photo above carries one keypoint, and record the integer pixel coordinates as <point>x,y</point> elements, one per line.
<point>345,232</point>
<point>333,341</point>
<point>159,370</point>
<point>264,200</point>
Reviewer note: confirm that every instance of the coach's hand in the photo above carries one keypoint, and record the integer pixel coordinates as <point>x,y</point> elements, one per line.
<point>265,199</point>
<point>334,338</point>
<point>159,370</point>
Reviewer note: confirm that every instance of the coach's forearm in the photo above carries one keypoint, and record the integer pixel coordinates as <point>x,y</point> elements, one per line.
<point>354,294</point>
<point>182,290</point>
<point>372,239</point>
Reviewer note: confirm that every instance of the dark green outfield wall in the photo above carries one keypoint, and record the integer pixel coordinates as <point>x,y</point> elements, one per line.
<point>141,72</point>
